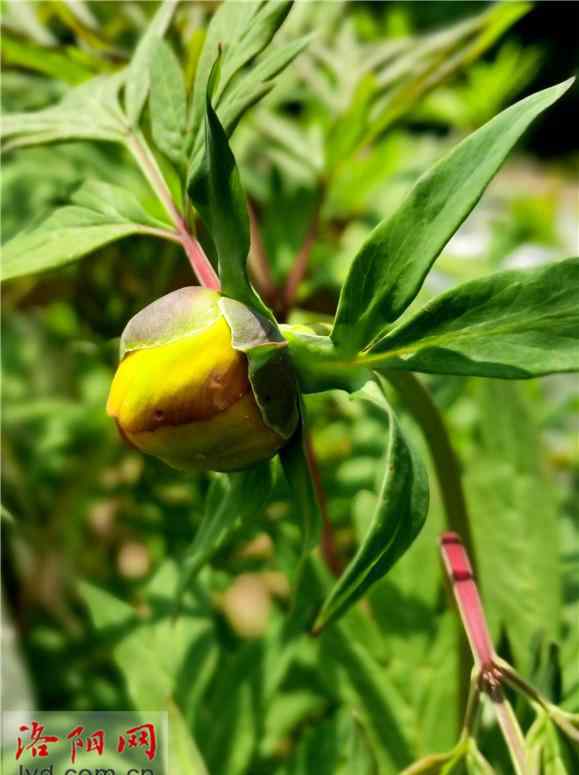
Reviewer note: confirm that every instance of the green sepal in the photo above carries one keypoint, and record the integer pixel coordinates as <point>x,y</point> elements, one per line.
<point>271,372</point>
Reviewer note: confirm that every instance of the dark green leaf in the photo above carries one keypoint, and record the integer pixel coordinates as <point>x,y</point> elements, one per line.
<point>138,73</point>
<point>512,325</point>
<point>390,268</point>
<point>218,195</point>
<point>168,102</point>
<point>398,518</point>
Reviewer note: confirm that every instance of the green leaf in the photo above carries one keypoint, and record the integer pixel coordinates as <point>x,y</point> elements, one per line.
<point>390,268</point>
<point>218,195</point>
<point>232,499</point>
<point>138,73</point>
<point>357,678</point>
<point>514,517</point>
<point>150,673</point>
<point>66,235</point>
<point>118,203</point>
<point>512,325</point>
<point>239,89</point>
<point>269,364</point>
<point>90,111</point>
<point>42,59</point>
<point>398,517</point>
<point>240,31</point>
<point>168,103</point>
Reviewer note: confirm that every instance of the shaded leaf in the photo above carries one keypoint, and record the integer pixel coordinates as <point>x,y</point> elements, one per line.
<point>168,102</point>
<point>515,324</point>
<point>398,517</point>
<point>390,268</point>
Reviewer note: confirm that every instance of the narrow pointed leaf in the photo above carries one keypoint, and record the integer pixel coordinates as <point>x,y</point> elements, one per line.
<point>218,196</point>
<point>391,266</point>
<point>512,325</point>
<point>399,516</point>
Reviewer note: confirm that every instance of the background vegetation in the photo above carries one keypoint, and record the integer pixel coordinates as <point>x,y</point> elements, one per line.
<point>376,96</point>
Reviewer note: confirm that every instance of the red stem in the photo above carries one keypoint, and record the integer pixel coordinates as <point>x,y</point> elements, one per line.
<point>468,600</point>
<point>327,542</point>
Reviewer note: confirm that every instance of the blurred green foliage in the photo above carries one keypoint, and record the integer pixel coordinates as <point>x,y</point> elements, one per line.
<point>90,523</point>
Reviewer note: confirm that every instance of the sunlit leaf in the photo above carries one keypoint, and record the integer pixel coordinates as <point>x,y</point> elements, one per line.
<point>391,266</point>
<point>168,102</point>
<point>138,76</point>
<point>516,324</point>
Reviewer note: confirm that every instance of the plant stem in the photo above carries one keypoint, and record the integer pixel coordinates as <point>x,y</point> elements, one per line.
<point>488,674</point>
<point>460,574</point>
<point>258,261</point>
<point>302,260</point>
<point>200,264</point>
<point>328,541</point>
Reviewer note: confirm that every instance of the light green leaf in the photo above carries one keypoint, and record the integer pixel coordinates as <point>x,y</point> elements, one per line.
<point>361,681</point>
<point>118,203</point>
<point>89,111</point>
<point>138,73</point>
<point>42,59</point>
<point>64,236</point>
<point>391,266</point>
<point>514,518</point>
<point>168,102</point>
<point>512,325</point>
<point>399,515</point>
<point>150,673</point>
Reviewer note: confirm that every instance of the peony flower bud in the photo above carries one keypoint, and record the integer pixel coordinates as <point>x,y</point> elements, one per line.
<point>184,394</point>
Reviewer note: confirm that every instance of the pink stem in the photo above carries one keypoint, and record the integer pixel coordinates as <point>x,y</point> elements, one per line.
<point>200,264</point>
<point>468,600</point>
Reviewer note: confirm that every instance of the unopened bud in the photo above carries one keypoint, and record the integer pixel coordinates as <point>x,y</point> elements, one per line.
<point>182,392</point>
